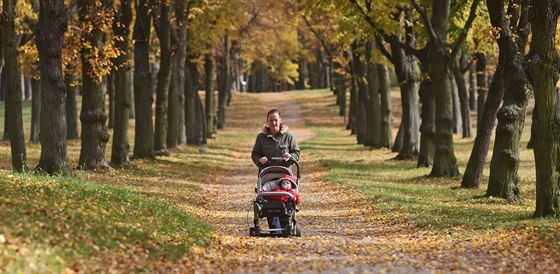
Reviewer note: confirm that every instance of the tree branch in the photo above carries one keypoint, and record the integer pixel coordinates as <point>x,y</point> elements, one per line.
<point>465,31</point>
<point>319,36</point>
<point>380,45</point>
<point>426,19</point>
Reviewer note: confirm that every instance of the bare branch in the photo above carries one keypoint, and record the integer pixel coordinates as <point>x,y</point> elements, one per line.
<point>426,19</point>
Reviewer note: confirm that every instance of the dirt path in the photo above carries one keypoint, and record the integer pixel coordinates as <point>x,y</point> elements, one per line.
<point>342,232</point>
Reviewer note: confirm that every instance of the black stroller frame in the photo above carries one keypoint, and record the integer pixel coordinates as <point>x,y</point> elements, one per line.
<point>263,208</point>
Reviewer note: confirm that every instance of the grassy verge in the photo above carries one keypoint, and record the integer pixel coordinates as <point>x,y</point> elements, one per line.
<point>54,223</point>
<point>401,190</point>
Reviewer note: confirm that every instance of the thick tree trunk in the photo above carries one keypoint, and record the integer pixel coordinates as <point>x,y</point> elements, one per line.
<point>405,69</point>
<point>544,69</point>
<point>35,110</point>
<point>144,132</point>
<point>210,102</point>
<point>477,160</point>
<point>428,126</point>
<point>72,90</point>
<point>92,115</point>
<point>50,40</point>
<point>13,92</point>
<point>163,30</point>
<point>504,180</point>
<point>445,163</point>
<point>123,101</point>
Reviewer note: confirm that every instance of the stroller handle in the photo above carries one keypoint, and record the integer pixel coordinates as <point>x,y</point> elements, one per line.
<point>288,160</point>
<point>262,194</point>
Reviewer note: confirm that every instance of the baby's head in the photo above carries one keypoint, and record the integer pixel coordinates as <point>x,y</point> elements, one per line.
<point>285,182</point>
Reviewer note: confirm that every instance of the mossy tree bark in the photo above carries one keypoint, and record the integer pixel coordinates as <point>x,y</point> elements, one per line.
<point>49,37</point>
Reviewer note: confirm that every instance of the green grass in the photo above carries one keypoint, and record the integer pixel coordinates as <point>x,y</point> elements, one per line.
<point>62,220</point>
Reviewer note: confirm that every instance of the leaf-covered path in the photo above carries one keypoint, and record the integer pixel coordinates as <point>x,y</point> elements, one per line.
<point>342,230</point>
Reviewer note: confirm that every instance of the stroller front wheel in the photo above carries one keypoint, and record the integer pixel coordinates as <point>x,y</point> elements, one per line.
<point>298,231</point>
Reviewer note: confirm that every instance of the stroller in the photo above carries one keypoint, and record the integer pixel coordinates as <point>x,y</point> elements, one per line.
<point>268,179</point>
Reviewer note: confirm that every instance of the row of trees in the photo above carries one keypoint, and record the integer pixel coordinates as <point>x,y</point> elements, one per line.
<point>208,45</point>
<point>264,45</point>
<point>430,47</point>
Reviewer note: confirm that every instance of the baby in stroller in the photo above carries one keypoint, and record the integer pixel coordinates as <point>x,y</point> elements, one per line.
<point>277,199</point>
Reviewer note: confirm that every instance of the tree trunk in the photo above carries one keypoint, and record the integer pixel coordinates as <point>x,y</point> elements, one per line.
<point>445,163</point>
<point>224,86</point>
<point>362,100</point>
<point>35,110</point>
<point>386,134</point>
<point>180,57</point>
<point>123,101</point>
<point>374,121</point>
<point>534,128</point>
<point>163,31</point>
<point>4,83</point>
<point>50,40</point>
<point>544,70</point>
<point>477,160</point>
<point>481,87</point>
<point>457,122</point>
<point>92,115</point>
<point>210,101</point>
<point>405,69</point>
<point>428,126</point>
<point>504,180</point>
<point>472,87</point>
<point>172,106</point>
<point>13,92</point>
<point>111,95</point>
<point>463,97</point>
<point>71,105</point>
<point>144,133</point>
